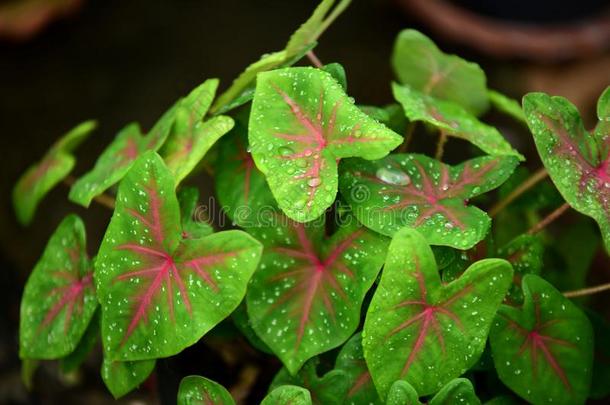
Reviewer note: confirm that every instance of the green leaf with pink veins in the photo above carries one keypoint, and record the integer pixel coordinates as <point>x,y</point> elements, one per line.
<point>458,391</point>
<point>421,330</point>
<point>548,340</point>
<point>306,295</point>
<point>43,176</point>
<point>420,192</point>
<point>577,161</point>
<point>452,119</point>
<point>59,297</point>
<point>196,390</point>
<point>192,137</point>
<point>301,124</point>
<point>161,292</point>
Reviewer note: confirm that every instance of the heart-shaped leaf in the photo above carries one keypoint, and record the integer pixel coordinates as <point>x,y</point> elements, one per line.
<point>195,390</point>
<point>41,177</point>
<point>241,188</point>
<point>507,105</point>
<point>402,393</point>
<point>328,389</point>
<point>549,341</point>
<point>577,161</point>
<point>122,377</point>
<point>423,193</point>
<point>301,41</point>
<point>301,124</point>
<point>419,63</point>
<point>191,137</point>
<point>288,395</point>
<point>422,331</point>
<point>59,298</point>
<point>351,360</point>
<point>452,119</point>
<point>159,291</point>
<point>306,295</point>
<point>458,391</point>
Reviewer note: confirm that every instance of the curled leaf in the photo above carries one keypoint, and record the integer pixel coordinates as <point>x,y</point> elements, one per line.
<point>196,390</point>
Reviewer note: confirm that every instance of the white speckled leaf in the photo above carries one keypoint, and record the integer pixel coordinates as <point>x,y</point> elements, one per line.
<point>160,292</point>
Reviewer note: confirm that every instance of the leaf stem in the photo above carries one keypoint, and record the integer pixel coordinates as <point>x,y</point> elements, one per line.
<point>314,60</point>
<point>548,219</point>
<point>440,146</point>
<point>102,199</point>
<point>587,291</point>
<point>534,179</point>
<point>408,137</point>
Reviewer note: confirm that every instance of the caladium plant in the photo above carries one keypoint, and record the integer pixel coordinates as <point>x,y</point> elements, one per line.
<point>417,191</point>
<point>153,283</point>
<point>549,341</point>
<point>305,297</point>
<point>40,178</point>
<point>578,161</point>
<point>417,283</point>
<point>422,331</point>
<point>301,124</point>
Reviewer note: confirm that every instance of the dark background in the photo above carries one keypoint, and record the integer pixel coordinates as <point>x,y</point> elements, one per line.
<point>119,61</point>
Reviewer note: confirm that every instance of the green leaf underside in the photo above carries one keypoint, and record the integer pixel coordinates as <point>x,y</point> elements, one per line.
<point>59,298</point>
<point>303,40</point>
<point>549,341</point>
<point>191,137</point>
<point>301,124</point>
<point>578,162</point>
<point>417,191</point>
<point>424,332</point>
<point>331,388</point>
<point>507,105</point>
<point>43,176</point>
<point>288,395</point>
<point>458,391</point>
<point>160,292</point>
<point>402,393</point>
<point>241,188</point>
<point>306,295</point>
<point>122,377</point>
<point>110,167</point>
<point>453,120</point>
<point>351,360</point>
<point>196,390</point>
<point>419,63</point>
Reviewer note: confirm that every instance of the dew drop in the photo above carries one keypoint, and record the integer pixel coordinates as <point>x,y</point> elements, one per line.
<point>391,176</point>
